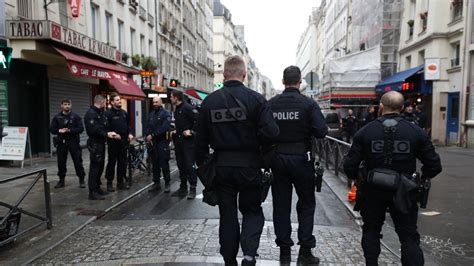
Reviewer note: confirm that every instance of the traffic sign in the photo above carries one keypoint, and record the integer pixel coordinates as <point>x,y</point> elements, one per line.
<point>312,79</point>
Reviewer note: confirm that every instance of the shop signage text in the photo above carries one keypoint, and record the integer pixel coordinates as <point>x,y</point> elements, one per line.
<point>75,7</point>
<point>83,70</point>
<point>50,30</point>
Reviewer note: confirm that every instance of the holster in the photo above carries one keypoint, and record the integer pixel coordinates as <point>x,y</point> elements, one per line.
<point>384,179</point>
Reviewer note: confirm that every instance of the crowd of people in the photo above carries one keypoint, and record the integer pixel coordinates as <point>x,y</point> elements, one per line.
<point>244,133</point>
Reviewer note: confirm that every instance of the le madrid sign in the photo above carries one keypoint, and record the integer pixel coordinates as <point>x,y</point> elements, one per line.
<point>40,29</point>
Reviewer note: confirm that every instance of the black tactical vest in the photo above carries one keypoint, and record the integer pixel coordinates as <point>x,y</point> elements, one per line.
<point>290,115</point>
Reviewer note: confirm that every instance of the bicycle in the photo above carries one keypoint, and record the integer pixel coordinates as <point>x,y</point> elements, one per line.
<point>139,158</point>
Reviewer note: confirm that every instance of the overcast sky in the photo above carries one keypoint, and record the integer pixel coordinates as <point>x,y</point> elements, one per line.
<point>272,31</point>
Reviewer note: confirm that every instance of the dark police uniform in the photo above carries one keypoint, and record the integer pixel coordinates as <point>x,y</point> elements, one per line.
<point>234,136</point>
<point>118,122</point>
<point>68,142</point>
<point>159,123</point>
<point>185,118</point>
<point>349,125</point>
<point>410,142</point>
<point>299,119</point>
<point>96,128</point>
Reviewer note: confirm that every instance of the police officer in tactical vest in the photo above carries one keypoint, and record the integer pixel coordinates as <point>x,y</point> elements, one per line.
<point>300,119</point>
<point>96,128</point>
<point>390,147</point>
<point>118,121</point>
<point>67,126</point>
<point>156,132</point>
<point>233,121</point>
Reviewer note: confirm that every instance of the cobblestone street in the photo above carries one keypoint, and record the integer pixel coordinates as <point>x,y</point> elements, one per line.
<point>191,241</point>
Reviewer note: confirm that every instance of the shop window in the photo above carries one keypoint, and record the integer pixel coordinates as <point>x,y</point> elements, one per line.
<point>456,9</point>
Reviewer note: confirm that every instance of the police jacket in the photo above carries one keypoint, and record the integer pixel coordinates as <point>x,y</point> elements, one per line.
<point>235,133</point>
<point>410,117</point>
<point>410,142</point>
<point>96,124</point>
<point>349,123</point>
<point>185,116</point>
<point>159,122</point>
<point>299,119</point>
<point>72,121</point>
<point>118,121</point>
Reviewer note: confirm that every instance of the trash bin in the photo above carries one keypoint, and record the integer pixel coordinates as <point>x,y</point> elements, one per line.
<point>10,227</point>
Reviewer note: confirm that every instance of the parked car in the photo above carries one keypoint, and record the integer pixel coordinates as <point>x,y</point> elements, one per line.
<point>333,120</point>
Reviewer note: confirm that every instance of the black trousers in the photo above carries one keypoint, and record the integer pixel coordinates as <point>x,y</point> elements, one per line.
<point>117,151</point>
<point>373,208</point>
<point>73,147</point>
<point>239,187</point>
<point>289,171</point>
<point>97,161</point>
<point>160,156</point>
<point>184,150</point>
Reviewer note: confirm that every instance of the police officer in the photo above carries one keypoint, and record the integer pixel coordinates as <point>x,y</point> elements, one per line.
<point>118,121</point>
<point>67,126</point>
<point>185,119</point>
<point>231,122</point>
<point>300,119</point>
<point>156,132</point>
<point>96,128</point>
<point>390,145</point>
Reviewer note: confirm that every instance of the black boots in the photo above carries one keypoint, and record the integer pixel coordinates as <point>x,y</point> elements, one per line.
<point>167,187</point>
<point>285,255</point>
<point>110,186</point>
<point>60,183</point>
<point>155,187</point>
<point>181,192</point>
<point>305,257</point>
<point>95,196</point>
<point>192,193</point>
<point>82,184</point>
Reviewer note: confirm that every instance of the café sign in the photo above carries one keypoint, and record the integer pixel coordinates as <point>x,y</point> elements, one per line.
<point>39,29</point>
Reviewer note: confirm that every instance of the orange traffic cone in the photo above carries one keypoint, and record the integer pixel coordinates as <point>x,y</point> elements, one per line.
<point>351,195</point>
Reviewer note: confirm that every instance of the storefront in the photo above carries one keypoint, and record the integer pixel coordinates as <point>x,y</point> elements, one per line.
<point>53,63</point>
<point>412,84</point>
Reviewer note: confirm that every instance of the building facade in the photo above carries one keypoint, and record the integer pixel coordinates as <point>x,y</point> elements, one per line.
<point>74,49</point>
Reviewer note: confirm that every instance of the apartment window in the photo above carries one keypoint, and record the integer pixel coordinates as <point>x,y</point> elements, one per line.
<point>120,35</point>
<point>150,48</point>
<point>132,41</point>
<point>408,62</point>
<point>95,19</point>
<point>63,17</point>
<point>456,7</point>
<point>421,57</point>
<point>24,8</point>
<point>142,44</point>
<point>456,47</point>
<point>108,27</point>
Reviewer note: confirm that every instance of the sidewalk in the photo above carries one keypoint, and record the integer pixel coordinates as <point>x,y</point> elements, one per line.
<point>71,208</point>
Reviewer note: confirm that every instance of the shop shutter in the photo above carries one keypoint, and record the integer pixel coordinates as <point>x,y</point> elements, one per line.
<point>79,93</point>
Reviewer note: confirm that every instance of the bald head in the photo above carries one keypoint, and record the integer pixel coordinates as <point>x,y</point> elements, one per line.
<point>234,68</point>
<point>157,102</point>
<point>392,102</point>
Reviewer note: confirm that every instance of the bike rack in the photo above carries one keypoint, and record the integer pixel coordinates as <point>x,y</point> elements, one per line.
<point>15,208</point>
<point>332,151</point>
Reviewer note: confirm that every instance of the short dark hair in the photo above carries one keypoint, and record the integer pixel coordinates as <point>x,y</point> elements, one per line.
<point>66,101</point>
<point>178,95</point>
<point>99,98</point>
<point>291,75</point>
<point>113,95</point>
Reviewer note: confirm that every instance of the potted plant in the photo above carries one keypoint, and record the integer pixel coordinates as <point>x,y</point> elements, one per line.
<point>423,15</point>
<point>149,63</point>
<point>136,59</point>
<point>411,22</point>
<point>125,57</point>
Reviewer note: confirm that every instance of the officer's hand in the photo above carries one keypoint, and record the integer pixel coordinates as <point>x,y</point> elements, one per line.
<point>111,135</point>
<point>149,138</point>
<point>62,130</point>
<point>187,133</point>
<point>117,137</point>
<point>130,137</point>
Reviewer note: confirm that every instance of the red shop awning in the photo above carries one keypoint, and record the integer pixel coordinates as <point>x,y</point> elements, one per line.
<point>128,89</point>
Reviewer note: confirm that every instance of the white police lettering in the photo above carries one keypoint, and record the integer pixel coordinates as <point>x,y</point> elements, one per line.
<point>286,115</point>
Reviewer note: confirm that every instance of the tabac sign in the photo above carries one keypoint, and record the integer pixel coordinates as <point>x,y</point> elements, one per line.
<point>75,5</point>
<point>28,29</point>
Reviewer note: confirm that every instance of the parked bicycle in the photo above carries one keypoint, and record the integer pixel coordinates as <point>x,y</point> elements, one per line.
<point>139,158</point>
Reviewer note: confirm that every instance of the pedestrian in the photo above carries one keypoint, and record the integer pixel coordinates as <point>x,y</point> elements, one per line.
<point>156,132</point>
<point>349,125</point>
<point>369,116</point>
<point>96,128</point>
<point>409,115</point>
<point>67,126</point>
<point>232,121</point>
<point>422,118</point>
<point>118,121</point>
<point>183,138</point>
<point>299,119</point>
<point>390,147</point>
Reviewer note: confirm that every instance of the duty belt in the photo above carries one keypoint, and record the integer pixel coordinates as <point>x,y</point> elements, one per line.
<point>292,148</point>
